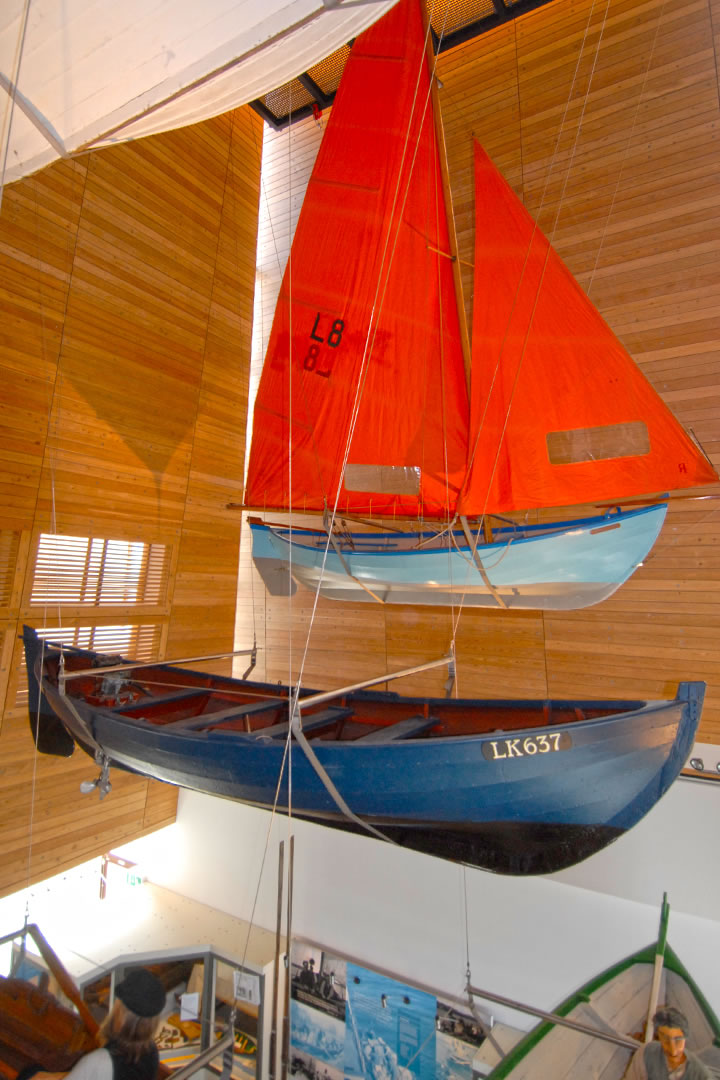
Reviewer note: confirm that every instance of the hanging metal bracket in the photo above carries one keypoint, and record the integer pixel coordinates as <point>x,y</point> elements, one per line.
<point>102,782</point>
<point>253,661</point>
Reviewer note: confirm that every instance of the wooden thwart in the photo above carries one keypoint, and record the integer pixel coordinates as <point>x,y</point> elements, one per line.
<point>404,729</point>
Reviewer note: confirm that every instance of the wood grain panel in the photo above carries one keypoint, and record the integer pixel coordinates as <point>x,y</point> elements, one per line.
<point>203,613</point>
<point>126,292</point>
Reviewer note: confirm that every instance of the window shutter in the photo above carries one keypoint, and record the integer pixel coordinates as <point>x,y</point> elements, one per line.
<point>96,571</point>
<point>9,548</point>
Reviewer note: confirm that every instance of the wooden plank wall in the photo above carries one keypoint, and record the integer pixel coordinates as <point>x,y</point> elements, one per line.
<point>126,293</point>
<point>604,118</point>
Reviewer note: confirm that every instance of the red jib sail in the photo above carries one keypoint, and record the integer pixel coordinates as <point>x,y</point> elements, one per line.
<point>560,413</point>
<point>363,394</point>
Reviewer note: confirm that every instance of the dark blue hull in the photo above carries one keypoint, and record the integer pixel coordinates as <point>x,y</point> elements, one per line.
<point>520,799</point>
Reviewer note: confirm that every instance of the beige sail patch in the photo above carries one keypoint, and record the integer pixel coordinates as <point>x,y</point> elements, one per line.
<point>598,443</point>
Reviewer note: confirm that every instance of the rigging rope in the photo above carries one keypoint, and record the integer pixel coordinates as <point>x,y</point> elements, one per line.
<point>535,230</point>
<point>389,248</point>
<point>627,148</point>
<point>398,203</point>
<point>49,462</point>
<point>9,111</point>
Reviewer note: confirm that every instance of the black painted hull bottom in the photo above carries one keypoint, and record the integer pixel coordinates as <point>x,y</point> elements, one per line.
<point>503,847</point>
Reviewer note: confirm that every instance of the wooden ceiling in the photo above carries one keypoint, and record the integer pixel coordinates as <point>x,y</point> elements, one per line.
<point>452,23</point>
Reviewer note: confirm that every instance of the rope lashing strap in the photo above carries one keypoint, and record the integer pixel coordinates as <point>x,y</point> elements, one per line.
<point>479,563</point>
<point>296,727</point>
<point>347,569</point>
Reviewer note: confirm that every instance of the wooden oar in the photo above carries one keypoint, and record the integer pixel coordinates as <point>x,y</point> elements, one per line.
<point>554,1018</point>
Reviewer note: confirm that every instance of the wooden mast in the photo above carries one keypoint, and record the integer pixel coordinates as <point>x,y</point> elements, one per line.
<point>452,234</point>
<point>445,174</point>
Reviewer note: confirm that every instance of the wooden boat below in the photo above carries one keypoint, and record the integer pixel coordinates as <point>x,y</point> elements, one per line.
<point>513,786</point>
<point>37,1031</point>
<point>615,1002</point>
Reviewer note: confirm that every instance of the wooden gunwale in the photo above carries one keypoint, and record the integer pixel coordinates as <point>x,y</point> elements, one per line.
<point>190,708</point>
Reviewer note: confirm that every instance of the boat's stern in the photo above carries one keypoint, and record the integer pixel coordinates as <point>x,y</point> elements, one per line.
<point>48,731</point>
<point>272,566</point>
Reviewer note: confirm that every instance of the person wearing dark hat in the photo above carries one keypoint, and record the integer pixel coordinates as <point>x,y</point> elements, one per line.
<point>127,1036</point>
<point>666,1057</point>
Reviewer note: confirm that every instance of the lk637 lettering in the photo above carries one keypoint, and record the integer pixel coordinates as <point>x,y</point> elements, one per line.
<point>526,745</point>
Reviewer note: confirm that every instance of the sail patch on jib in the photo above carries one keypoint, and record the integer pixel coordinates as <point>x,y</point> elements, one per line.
<point>598,443</point>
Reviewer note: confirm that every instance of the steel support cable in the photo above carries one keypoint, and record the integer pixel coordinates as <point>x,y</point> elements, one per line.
<point>535,230</point>
<point>12,92</point>
<point>386,263</point>
<point>627,148</point>
<point>285,761</point>
<point>51,387</point>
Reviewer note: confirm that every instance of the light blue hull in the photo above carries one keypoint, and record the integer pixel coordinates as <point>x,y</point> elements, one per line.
<point>558,566</point>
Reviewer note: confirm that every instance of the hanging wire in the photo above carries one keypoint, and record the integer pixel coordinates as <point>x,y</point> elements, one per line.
<point>266,848</point>
<point>9,111</point>
<point>463,871</point>
<point>49,457</point>
<point>231,183</point>
<point>534,232</point>
<point>419,107</point>
<point>7,120</point>
<point>451,686</point>
<point>269,224</point>
<point>286,761</point>
<point>627,147</point>
<point>292,698</point>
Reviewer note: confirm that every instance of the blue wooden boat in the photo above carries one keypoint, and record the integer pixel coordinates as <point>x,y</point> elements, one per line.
<point>517,787</point>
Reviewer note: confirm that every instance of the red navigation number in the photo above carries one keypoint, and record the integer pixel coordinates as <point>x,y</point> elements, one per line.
<point>321,362</point>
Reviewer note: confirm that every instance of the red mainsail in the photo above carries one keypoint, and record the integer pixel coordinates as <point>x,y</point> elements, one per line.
<point>363,401</point>
<point>364,367</point>
<point>560,413</point>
